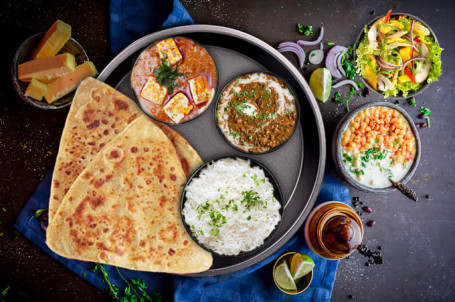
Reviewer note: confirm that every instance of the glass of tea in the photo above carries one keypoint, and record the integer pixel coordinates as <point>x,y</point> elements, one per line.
<point>333,230</point>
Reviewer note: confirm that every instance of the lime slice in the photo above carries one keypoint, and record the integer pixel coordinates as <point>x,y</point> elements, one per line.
<point>321,84</point>
<point>283,277</point>
<point>301,265</point>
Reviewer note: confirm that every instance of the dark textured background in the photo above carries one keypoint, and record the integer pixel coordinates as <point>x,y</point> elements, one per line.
<point>417,239</point>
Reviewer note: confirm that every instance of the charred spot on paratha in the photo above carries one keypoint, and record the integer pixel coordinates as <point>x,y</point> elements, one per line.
<point>120,105</point>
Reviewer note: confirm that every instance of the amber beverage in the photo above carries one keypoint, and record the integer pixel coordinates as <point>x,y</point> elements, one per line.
<point>333,230</point>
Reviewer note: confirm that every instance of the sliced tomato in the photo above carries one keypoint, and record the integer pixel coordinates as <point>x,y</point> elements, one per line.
<point>417,39</point>
<point>410,75</point>
<point>403,16</point>
<point>387,17</point>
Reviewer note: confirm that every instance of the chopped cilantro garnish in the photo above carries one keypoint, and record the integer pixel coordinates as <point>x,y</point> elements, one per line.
<point>135,290</point>
<point>425,111</point>
<point>330,43</point>
<point>218,220</point>
<point>387,171</point>
<point>338,98</point>
<point>251,198</point>
<point>304,30</point>
<point>234,134</point>
<point>165,75</point>
<point>348,65</point>
<point>357,172</point>
<point>348,158</point>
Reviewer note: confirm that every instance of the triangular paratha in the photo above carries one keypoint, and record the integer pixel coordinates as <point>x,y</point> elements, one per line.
<point>98,113</point>
<point>123,209</point>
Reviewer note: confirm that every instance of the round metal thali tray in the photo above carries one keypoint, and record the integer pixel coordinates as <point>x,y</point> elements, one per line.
<point>298,166</point>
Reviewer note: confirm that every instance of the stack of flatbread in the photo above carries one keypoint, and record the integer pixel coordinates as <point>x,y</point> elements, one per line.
<point>115,195</point>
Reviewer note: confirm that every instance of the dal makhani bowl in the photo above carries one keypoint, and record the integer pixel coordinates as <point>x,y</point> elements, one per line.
<point>375,143</point>
<point>257,112</point>
<point>174,80</point>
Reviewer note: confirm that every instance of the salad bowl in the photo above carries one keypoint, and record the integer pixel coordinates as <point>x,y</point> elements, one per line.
<point>379,74</point>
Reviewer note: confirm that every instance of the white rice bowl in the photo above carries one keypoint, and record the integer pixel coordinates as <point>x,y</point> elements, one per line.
<point>230,207</point>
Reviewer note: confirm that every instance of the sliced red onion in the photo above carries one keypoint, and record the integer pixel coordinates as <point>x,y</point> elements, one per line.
<point>43,227</point>
<point>387,66</point>
<point>330,60</point>
<point>316,56</point>
<point>284,44</point>
<point>294,48</point>
<point>338,57</point>
<point>413,59</point>
<point>412,36</point>
<point>346,82</point>
<point>311,43</point>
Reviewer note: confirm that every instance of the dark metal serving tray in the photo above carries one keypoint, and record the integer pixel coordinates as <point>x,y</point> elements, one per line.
<point>298,166</point>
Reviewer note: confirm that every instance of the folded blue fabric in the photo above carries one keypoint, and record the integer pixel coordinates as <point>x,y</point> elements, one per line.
<point>251,284</point>
<point>131,20</point>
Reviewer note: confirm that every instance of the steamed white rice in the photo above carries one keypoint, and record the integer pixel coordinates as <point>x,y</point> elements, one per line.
<point>217,211</point>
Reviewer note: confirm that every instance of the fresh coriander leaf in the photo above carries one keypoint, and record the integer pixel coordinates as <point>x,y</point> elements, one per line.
<point>348,66</point>
<point>40,214</point>
<point>348,158</point>
<point>425,111</point>
<point>166,76</point>
<point>4,292</point>
<point>304,30</point>
<point>338,98</point>
<point>357,172</point>
<point>251,198</point>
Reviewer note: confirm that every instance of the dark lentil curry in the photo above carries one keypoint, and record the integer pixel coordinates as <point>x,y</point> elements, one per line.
<point>257,112</point>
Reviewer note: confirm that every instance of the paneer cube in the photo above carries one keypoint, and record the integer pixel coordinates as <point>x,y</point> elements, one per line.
<point>200,90</point>
<point>169,48</point>
<point>178,107</point>
<point>153,91</point>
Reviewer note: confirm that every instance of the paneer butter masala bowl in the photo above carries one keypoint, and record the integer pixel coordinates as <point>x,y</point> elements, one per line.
<point>398,55</point>
<point>257,112</point>
<point>174,80</point>
<point>377,143</point>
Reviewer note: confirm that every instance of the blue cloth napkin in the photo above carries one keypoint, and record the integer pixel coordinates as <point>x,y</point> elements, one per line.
<point>131,20</point>
<point>251,284</point>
